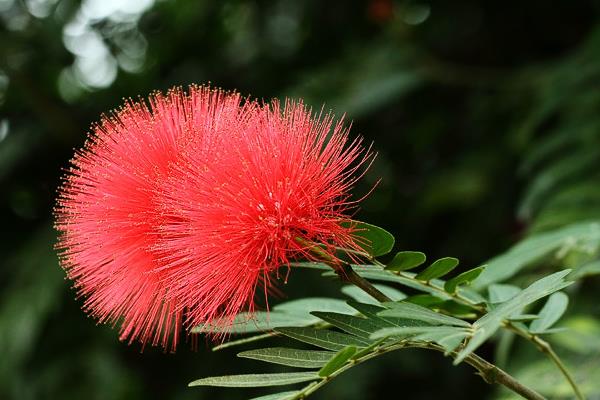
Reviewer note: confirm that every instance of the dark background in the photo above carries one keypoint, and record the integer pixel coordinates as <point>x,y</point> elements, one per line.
<point>457,96</point>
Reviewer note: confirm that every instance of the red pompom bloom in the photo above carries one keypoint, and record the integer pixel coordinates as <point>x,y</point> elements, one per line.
<point>108,216</point>
<point>280,181</point>
<point>179,211</point>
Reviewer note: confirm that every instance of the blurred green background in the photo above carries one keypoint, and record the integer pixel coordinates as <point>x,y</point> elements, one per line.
<point>485,117</point>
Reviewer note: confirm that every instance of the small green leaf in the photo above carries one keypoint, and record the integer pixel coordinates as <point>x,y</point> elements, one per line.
<point>448,341</point>
<point>290,357</point>
<point>438,269</point>
<point>260,321</point>
<point>554,308</point>
<point>354,325</point>
<point>458,310</point>
<point>256,380</point>
<point>449,337</point>
<point>291,313</point>
<point>434,287</point>
<point>244,340</point>
<point>418,313</point>
<point>372,239</point>
<point>368,310</point>
<point>303,307</point>
<point>411,330</point>
<point>588,269</point>
<point>405,260</point>
<point>337,361</point>
<point>376,273</point>
<point>278,396</point>
<point>372,313</point>
<point>487,325</point>
<point>425,300</point>
<point>462,279</point>
<point>363,352</point>
<point>523,317</point>
<point>310,265</point>
<point>499,293</point>
<point>536,248</point>
<point>323,338</point>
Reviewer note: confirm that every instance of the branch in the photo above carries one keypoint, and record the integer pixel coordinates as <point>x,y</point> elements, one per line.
<point>344,271</point>
<point>490,373</point>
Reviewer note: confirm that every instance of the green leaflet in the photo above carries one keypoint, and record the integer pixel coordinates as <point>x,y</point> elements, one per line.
<point>290,357</point>
<point>338,361</point>
<point>244,340</point>
<point>487,325</point>
<point>523,317</point>
<point>257,322</point>
<point>448,340</point>
<point>415,312</point>
<point>368,310</point>
<point>366,350</point>
<point>499,293</point>
<point>554,308</point>
<point>305,306</point>
<point>589,269</point>
<point>376,273</point>
<point>291,313</point>
<point>584,235</point>
<point>372,312</point>
<point>558,172</point>
<point>278,396</point>
<point>256,380</point>
<point>415,330</point>
<point>310,265</point>
<point>464,278</point>
<point>425,300</point>
<point>438,269</point>
<point>323,338</point>
<point>405,260</point>
<point>357,326</point>
<point>374,240</point>
<point>449,337</point>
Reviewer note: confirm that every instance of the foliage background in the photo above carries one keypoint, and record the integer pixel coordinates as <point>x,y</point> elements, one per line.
<point>485,117</point>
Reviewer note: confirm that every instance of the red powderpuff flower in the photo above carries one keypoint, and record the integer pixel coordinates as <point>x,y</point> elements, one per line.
<point>280,181</point>
<point>108,217</point>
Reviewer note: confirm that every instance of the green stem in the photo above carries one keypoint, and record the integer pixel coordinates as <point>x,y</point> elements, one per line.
<point>546,348</point>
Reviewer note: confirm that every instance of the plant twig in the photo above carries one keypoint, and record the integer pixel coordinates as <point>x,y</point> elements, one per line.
<point>345,271</point>
<point>494,374</point>
<point>541,344</point>
<point>547,349</point>
<point>489,372</point>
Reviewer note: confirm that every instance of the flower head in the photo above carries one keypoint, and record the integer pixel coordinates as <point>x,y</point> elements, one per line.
<point>280,181</point>
<point>108,216</point>
<point>179,211</point>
